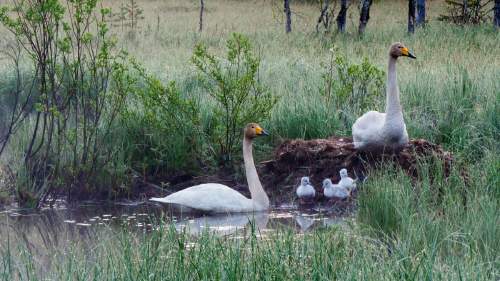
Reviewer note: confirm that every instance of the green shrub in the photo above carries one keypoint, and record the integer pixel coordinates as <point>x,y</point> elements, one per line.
<point>162,128</point>
<point>69,111</point>
<point>351,88</point>
<point>354,85</point>
<point>234,85</point>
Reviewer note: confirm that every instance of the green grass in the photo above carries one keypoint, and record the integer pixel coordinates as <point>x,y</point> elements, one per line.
<point>401,232</point>
<point>431,230</point>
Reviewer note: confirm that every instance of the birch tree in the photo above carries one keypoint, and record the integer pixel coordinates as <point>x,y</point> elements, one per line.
<point>341,18</point>
<point>364,15</point>
<point>288,14</point>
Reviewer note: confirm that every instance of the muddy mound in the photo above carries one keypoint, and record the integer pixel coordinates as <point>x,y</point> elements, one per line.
<point>323,158</point>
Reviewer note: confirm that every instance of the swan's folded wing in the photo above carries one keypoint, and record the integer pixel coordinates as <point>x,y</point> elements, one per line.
<point>367,127</point>
<point>211,197</point>
<point>369,120</point>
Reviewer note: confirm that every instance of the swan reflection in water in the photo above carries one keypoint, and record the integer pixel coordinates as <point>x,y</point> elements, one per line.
<point>304,222</point>
<point>222,224</point>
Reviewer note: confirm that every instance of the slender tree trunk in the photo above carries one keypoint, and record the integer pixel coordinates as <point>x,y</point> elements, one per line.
<point>411,16</point>
<point>323,17</point>
<point>465,11</point>
<point>496,17</point>
<point>288,13</point>
<point>364,16</point>
<point>420,12</point>
<point>202,8</point>
<point>341,18</point>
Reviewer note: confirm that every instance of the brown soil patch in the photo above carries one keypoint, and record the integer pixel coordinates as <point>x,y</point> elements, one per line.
<point>323,158</point>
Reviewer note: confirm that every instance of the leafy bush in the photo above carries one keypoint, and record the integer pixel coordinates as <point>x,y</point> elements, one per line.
<point>162,128</point>
<point>234,85</point>
<point>357,87</point>
<point>69,110</point>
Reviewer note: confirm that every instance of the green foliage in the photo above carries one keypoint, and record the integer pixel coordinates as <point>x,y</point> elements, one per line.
<point>385,205</point>
<point>129,15</point>
<point>81,83</point>
<point>162,128</point>
<point>234,84</point>
<point>435,216</point>
<point>350,85</point>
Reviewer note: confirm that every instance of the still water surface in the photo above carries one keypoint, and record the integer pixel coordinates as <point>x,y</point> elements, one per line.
<point>43,231</point>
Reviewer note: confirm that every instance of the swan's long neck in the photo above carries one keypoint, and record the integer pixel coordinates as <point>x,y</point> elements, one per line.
<point>393,108</point>
<point>258,194</point>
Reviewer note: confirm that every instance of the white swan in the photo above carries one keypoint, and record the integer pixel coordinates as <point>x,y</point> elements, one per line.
<point>375,131</point>
<point>305,190</point>
<point>334,191</point>
<point>218,198</point>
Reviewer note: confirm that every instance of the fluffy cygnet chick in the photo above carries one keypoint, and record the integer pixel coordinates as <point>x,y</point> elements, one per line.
<point>334,191</point>
<point>347,182</point>
<point>305,191</point>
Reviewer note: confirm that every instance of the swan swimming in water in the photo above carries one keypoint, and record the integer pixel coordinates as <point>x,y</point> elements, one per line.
<point>218,198</point>
<point>375,131</point>
<point>334,191</point>
<point>305,191</point>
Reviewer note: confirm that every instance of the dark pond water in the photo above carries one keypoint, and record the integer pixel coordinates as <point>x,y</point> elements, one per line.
<point>41,232</point>
<point>49,223</point>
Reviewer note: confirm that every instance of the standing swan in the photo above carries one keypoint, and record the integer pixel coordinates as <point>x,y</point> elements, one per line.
<point>375,131</point>
<point>218,198</point>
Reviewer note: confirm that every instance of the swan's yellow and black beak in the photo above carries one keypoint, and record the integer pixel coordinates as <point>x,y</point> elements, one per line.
<point>405,52</point>
<point>261,132</point>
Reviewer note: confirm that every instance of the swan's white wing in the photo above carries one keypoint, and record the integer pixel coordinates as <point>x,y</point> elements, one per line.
<point>340,192</point>
<point>300,191</point>
<point>348,183</point>
<point>306,191</point>
<point>369,120</point>
<point>367,128</point>
<point>312,191</point>
<point>328,192</point>
<point>210,197</point>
